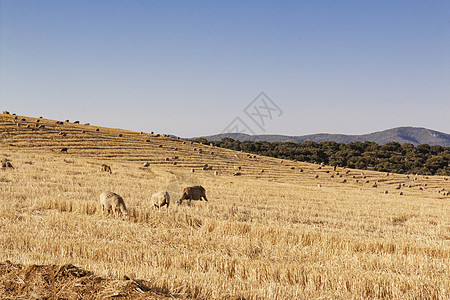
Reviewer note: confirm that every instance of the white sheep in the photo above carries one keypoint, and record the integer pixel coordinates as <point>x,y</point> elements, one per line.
<point>160,199</point>
<point>111,201</point>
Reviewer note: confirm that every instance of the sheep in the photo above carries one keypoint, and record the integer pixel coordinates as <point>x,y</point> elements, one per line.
<point>206,167</point>
<point>374,185</point>
<point>87,124</point>
<point>111,201</point>
<point>106,168</point>
<point>238,168</point>
<point>67,121</point>
<point>76,122</point>
<point>120,135</point>
<point>146,164</point>
<point>216,173</point>
<point>237,174</point>
<point>192,193</point>
<point>316,176</point>
<point>64,150</point>
<point>160,199</point>
<point>399,186</point>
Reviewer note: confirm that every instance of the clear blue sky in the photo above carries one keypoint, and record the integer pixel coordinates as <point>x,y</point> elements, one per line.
<point>190,67</point>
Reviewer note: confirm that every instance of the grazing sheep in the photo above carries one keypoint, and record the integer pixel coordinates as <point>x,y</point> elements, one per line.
<point>160,199</point>
<point>193,170</point>
<point>87,124</point>
<point>64,150</point>
<point>67,121</point>
<point>292,168</point>
<point>200,151</point>
<point>216,173</point>
<point>399,186</point>
<point>146,164</point>
<point>344,181</point>
<point>206,167</point>
<point>401,193</point>
<point>237,174</point>
<point>316,176</point>
<point>120,135</point>
<point>192,193</point>
<point>76,122</point>
<point>112,202</point>
<point>238,168</point>
<point>374,185</point>
<point>301,170</point>
<point>386,192</point>
<point>147,141</point>
<point>5,112</point>
<point>262,171</point>
<point>37,121</point>
<point>106,168</point>
<point>98,129</point>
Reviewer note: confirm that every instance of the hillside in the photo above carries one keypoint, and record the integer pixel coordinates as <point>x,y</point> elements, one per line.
<point>271,229</point>
<point>401,135</point>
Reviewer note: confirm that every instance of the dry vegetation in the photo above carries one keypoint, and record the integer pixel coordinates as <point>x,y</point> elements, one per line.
<point>281,233</point>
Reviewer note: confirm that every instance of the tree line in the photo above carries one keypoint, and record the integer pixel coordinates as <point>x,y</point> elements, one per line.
<point>391,157</point>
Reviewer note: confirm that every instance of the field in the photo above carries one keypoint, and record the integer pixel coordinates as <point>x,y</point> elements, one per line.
<point>289,232</point>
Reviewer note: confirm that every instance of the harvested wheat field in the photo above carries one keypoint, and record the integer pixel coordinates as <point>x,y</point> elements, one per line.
<point>295,230</point>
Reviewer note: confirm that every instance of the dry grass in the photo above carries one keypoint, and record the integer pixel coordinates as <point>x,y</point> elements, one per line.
<point>266,235</point>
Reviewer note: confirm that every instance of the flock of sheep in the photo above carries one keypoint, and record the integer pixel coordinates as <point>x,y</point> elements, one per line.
<point>114,203</point>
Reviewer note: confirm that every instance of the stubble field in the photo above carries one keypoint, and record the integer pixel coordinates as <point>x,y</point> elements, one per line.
<point>277,234</point>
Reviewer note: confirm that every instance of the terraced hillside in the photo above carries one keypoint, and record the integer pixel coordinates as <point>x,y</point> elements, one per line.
<point>270,229</point>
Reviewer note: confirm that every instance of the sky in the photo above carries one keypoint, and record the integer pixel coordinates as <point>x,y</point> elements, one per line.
<point>193,68</point>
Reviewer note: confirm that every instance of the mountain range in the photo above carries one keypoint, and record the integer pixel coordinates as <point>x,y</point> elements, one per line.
<point>414,135</point>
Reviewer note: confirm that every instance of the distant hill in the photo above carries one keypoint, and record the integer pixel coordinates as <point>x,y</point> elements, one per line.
<point>414,135</point>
